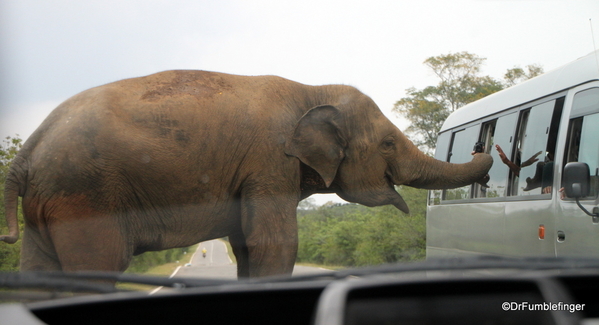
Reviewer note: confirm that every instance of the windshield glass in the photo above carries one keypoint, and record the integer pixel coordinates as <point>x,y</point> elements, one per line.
<point>252,139</point>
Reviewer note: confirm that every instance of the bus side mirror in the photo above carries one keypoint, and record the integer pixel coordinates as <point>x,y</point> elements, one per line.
<point>577,179</point>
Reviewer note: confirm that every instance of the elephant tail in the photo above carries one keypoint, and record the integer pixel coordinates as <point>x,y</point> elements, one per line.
<point>14,187</point>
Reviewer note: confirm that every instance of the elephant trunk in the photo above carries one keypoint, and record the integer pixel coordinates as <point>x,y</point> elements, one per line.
<point>429,173</point>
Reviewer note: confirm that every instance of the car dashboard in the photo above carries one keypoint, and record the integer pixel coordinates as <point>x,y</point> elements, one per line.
<point>423,297</point>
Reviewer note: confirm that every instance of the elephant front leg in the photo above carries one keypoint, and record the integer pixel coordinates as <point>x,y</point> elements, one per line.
<point>240,250</point>
<point>270,229</point>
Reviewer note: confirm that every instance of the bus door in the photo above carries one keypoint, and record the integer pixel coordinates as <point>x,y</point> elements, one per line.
<point>454,230</point>
<point>576,232</point>
<point>529,220</point>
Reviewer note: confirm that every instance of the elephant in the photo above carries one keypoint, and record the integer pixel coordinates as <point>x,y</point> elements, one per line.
<point>179,157</point>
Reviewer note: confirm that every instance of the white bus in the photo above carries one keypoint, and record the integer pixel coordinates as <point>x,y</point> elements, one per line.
<point>541,125</point>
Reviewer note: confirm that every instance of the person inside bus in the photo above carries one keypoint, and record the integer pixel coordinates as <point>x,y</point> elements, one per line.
<point>543,176</point>
<point>544,170</point>
<point>547,180</point>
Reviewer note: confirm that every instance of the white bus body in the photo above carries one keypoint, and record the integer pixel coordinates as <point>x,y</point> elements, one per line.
<point>522,212</point>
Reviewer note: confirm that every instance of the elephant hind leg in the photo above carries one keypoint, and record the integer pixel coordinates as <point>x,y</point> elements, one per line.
<point>37,254</point>
<point>87,239</point>
<point>94,244</point>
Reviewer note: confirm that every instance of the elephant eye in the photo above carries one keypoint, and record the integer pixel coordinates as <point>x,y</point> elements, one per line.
<point>388,144</point>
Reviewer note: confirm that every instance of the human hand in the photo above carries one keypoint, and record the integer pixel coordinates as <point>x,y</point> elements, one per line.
<point>502,154</point>
<point>532,159</point>
<point>562,193</point>
<point>515,169</point>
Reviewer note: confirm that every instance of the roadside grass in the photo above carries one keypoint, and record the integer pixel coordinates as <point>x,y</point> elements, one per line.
<point>164,270</point>
<point>326,267</point>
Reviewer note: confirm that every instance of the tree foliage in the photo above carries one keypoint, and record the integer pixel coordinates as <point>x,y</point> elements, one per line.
<point>517,74</point>
<point>460,83</point>
<point>354,235</point>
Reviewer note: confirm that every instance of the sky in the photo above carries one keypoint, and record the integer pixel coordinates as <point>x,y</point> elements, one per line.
<point>52,50</point>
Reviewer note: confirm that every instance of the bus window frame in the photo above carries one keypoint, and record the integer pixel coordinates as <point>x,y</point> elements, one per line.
<point>573,116</point>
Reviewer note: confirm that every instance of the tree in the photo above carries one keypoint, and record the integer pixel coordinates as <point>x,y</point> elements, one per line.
<point>517,74</point>
<point>460,84</point>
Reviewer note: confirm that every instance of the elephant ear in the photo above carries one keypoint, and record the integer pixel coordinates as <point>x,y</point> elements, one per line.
<point>318,141</point>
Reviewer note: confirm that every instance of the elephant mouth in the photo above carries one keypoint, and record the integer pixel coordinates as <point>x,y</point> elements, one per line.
<point>396,200</point>
<point>389,179</point>
<point>391,182</point>
<point>383,193</point>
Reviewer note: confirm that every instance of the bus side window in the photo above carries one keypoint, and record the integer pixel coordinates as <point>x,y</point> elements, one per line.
<point>461,152</point>
<point>583,134</point>
<point>516,157</point>
<point>503,136</point>
<point>532,168</point>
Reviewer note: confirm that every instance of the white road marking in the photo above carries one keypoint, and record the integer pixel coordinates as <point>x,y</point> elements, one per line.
<point>176,270</point>
<point>227,252</point>
<point>172,275</point>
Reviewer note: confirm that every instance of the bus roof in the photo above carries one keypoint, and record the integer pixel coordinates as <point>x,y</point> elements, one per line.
<point>583,70</point>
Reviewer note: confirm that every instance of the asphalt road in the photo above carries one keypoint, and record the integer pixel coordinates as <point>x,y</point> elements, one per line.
<point>217,263</point>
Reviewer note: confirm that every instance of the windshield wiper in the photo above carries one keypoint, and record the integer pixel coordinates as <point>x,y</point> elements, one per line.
<point>103,282</point>
<point>97,282</point>
<point>483,262</point>
<point>451,264</point>
<point>52,281</point>
<point>174,282</point>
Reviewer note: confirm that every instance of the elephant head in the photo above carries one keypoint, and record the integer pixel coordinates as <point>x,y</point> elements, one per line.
<point>362,155</point>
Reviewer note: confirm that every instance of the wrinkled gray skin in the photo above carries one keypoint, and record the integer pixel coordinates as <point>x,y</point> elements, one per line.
<point>180,157</point>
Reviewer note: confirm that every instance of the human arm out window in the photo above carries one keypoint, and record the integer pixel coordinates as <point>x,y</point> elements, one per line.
<point>534,149</point>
